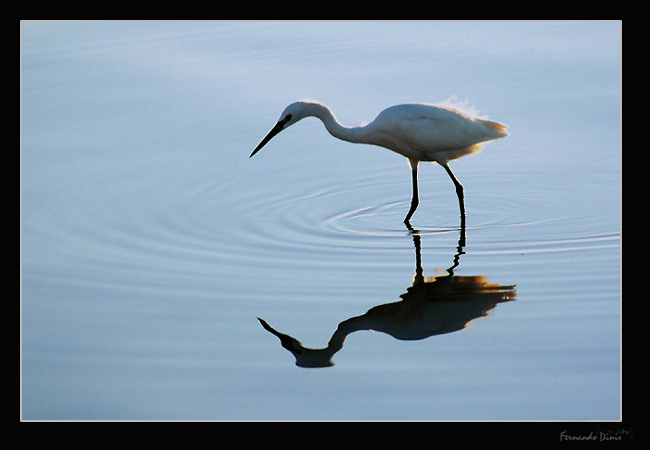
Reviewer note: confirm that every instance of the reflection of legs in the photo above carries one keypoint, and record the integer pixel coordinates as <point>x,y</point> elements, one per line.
<point>415,201</point>
<point>417,242</point>
<point>459,192</point>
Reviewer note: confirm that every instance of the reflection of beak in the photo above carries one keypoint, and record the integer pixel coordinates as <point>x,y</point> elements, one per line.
<point>291,344</point>
<point>275,130</point>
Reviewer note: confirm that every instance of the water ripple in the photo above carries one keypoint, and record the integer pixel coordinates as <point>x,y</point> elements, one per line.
<point>368,212</point>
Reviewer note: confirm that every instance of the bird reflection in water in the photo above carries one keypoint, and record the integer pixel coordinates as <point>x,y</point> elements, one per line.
<point>431,306</point>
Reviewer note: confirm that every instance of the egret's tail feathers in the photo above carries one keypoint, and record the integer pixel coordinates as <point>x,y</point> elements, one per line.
<point>499,129</point>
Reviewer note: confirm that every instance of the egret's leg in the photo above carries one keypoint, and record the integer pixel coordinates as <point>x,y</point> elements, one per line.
<point>415,201</point>
<point>459,191</point>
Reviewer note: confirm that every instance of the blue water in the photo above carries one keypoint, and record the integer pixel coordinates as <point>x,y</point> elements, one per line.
<point>151,243</point>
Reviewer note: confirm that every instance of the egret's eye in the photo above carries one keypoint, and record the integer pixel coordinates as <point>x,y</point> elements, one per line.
<point>288,118</point>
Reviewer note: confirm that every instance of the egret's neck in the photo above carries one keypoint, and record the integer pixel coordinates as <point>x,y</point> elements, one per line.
<point>349,134</point>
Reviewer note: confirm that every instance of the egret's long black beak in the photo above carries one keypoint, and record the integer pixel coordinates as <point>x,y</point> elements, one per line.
<point>275,130</point>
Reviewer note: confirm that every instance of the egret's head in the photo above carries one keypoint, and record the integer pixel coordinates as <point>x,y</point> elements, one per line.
<point>291,114</point>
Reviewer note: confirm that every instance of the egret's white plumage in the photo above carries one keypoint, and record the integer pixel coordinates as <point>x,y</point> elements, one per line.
<point>418,131</point>
<point>432,133</point>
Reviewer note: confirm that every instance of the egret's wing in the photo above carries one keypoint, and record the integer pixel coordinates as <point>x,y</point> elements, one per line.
<point>433,128</point>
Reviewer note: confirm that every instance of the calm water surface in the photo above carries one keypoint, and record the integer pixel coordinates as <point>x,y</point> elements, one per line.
<point>151,243</point>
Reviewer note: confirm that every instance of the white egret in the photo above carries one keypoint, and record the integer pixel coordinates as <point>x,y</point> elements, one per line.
<point>418,131</point>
